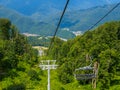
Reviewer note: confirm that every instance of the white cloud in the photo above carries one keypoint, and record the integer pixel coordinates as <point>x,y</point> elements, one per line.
<point>27,2</point>
<point>108,1</point>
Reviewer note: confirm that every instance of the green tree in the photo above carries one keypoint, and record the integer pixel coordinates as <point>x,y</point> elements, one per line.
<point>4,28</point>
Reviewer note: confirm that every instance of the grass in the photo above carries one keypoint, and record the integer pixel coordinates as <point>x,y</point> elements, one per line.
<point>23,79</point>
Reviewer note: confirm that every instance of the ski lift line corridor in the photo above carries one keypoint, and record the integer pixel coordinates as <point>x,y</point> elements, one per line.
<point>94,70</point>
<point>50,64</point>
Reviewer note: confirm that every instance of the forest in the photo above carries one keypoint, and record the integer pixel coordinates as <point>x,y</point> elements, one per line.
<point>19,62</point>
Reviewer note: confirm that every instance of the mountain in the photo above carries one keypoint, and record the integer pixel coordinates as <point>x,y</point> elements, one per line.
<point>48,7</point>
<point>75,20</point>
<point>27,25</point>
<point>82,20</point>
<point>30,7</point>
<point>24,23</point>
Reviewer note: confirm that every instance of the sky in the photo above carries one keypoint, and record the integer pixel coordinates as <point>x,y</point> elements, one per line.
<point>29,7</point>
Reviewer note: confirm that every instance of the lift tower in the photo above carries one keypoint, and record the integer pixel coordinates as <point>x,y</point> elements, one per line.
<point>47,65</point>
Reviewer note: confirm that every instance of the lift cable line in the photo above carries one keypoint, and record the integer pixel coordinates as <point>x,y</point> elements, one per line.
<point>84,76</point>
<point>58,25</point>
<point>87,30</point>
<point>104,16</point>
<point>50,64</point>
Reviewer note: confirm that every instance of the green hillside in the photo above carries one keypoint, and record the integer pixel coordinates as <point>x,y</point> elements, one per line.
<point>19,62</point>
<point>102,45</point>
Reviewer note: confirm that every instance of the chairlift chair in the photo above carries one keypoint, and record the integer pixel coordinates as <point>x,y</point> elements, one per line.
<point>87,72</point>
<point>82,76</point>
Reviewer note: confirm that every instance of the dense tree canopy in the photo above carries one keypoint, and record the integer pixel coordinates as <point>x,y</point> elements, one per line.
<point>102,44</point>
<point>14,46</point>
<point>16,55</point>
<point>18,59</point>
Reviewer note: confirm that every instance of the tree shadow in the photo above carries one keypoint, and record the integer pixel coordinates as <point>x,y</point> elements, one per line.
<point>115,82</point>
<point>7,73</point>
<point>15,87</point>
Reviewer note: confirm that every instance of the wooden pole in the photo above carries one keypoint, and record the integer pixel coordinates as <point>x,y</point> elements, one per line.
<point>95,71</point>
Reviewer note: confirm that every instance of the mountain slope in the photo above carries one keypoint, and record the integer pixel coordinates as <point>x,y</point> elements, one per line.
<point>25,24</point>
<point>79,20</point>
<point>82,20</point>
<point>89,17</point>
<point>29,7</point>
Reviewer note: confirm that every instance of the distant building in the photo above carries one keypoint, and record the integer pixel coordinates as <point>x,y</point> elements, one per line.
<point>41,50</point>
<point>77,33</point>
<point>28,34</point>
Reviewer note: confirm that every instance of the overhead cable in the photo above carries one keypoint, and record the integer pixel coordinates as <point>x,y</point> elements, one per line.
<point>104,16</point>
<point>56,30</point>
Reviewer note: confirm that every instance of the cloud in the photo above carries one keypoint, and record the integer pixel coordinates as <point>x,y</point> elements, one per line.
<point>27,2</point>
<point>108,1</point>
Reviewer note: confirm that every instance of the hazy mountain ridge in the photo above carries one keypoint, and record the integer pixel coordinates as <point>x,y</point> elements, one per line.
<point>44,7</point>
<point>79,20</point>
<point>24,23</point>
<point>30,7</point>
<point>82,20</point>
<point>27,25</point>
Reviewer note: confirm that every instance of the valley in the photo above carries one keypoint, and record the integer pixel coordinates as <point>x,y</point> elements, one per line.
<point>82,52</point>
